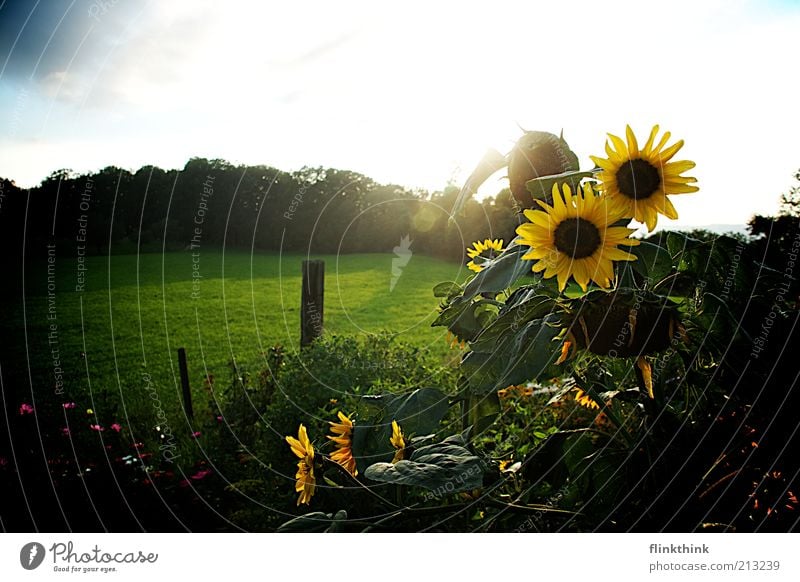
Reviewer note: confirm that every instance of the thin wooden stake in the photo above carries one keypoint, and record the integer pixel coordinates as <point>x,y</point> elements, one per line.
<point>187,390</point>
<point>312,300</point>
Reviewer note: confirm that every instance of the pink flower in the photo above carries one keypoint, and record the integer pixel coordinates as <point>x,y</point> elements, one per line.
<point>219,418</point>
<point>69,405</point>
<point>3,461</point>
<point>195,434</point>
<point>116,427</point>
<point>65,431</point>
<point>96,427</point>
<point>201,474</point>
<point>25,408</point>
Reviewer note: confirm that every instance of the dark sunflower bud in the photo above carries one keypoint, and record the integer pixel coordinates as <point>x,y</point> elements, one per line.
<point>625,323</point>
<point>535,155</point>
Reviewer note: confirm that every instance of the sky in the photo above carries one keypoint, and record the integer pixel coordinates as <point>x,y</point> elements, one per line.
<point>410,93</point>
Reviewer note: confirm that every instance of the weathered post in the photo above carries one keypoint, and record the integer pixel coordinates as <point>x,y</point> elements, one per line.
<point>312,297</point>
<point>187,391</point>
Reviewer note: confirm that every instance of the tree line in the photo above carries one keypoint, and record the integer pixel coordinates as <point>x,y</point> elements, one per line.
<point>211,203</point>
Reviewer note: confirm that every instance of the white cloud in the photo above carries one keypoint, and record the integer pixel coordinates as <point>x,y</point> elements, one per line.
<point>415,93</point>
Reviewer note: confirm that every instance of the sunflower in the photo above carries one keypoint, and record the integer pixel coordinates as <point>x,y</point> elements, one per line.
<point>398,442</point>
<point>304,450</point>
<point>584,399</point>
<point>453,341</point>
<point>574,237</point>
<point>494,248</point>
<point>641,179</point>
<point>343,437</point>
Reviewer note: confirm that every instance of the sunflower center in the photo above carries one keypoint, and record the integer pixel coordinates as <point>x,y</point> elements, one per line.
<point>577,238</point>
<point>638,179</point>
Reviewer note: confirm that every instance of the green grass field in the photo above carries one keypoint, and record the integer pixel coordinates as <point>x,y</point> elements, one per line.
<point>117,339</point>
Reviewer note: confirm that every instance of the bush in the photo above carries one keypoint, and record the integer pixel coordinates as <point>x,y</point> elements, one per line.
<point>261,408</point>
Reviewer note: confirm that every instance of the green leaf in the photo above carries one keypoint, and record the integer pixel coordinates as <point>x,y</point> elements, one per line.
<point>653,262</point>
<point>679,243</point>
<point>524,355</point>
<point>721,306</point>
<point>447,289</point>
<point>501,274</point>
<point>532,351</point>
<point>542,188</point>
<point>444,468</point>
<point>418,413</point>
<point>482,410</point>
<point>512,320</point>
<point>465,320</point>
<point>595,470</point>
<point>481,370</point>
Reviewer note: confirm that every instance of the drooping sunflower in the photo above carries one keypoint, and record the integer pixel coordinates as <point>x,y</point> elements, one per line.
<point>574,237</point>
<point>304,450</point>
<point>343,437</point>
<point>488,249</point>
<point>398,442</point>
<point>641,179</point>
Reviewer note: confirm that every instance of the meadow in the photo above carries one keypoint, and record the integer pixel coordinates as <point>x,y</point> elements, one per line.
<point>109,328</point>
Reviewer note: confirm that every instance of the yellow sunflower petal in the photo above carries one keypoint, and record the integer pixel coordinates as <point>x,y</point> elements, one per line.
<point>669,210</point>
<point>667,154</point>
<point>647,374</point>
<point>633,147</point>
<point>646,150</point>
<point>619,145</point>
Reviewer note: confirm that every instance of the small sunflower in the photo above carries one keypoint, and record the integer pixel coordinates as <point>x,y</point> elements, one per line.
<point>398,442</point>
<point>488,249</point>
<point>574,237</point>
<point>453,341</point>
<point>304,450</point>
<point>641,179</point>
<point>343,437</point>
<point>584,399</point>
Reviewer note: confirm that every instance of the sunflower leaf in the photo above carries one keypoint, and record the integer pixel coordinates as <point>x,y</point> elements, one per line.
<point>516,356</point>
<point>465,320</point>
<point>491,162</point>
<point>500,274</point>
<point>444,468</point>
<point>653,261</point>
<point>511,320</point>
<point>418,413</point>
<point>447,289</point>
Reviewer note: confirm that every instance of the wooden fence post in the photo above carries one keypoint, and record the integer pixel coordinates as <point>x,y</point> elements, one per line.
<point>312,299</point>
<point>187,391</point>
